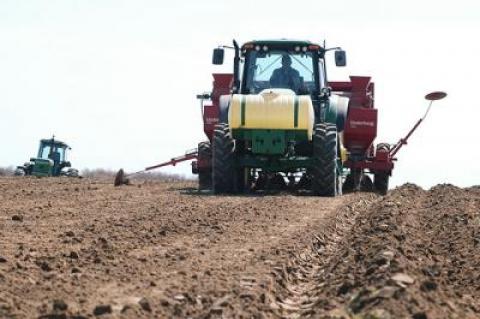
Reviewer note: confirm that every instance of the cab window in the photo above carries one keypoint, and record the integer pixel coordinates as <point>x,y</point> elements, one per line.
<point>279,69</point>
<point>45,151</point>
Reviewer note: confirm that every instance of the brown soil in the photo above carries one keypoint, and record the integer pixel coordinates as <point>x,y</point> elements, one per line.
<point>72,248</point>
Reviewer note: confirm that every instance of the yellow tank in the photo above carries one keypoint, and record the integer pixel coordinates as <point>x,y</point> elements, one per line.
<point>272,109</point>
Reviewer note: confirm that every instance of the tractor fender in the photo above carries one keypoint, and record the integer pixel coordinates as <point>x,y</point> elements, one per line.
<point>224,105</point>
<point>338,110</point>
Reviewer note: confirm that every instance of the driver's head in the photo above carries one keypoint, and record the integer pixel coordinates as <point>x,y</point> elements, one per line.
<point>286,60</point>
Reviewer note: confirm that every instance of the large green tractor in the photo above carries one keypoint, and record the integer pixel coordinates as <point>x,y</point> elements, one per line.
<point>280,126</point>
<point>50,161</point>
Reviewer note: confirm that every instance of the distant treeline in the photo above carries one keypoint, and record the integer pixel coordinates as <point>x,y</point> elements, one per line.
<point>100,173</point>
<point>6,171</point>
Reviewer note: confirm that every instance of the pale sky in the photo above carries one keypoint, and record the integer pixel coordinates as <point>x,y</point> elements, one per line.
<point>117,79</point>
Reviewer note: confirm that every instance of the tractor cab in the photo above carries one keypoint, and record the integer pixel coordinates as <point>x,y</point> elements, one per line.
<point>283,66</point>
<point>55,151</point>
<point>297,66</point>
<point>280,64</point>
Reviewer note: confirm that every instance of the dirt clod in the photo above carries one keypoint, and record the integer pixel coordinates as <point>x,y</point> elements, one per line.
<point>59,305</point>
<point>17,218</point>
<point>45,266</point>
<point>73,255</point>
<point>428,285</point>
<point>102,309</point>
<point>403,279</point>
<point>145,304</point>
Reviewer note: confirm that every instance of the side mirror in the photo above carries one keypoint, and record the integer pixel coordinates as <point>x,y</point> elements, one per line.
<point>340,58</point>
<point>204,96</point>
<point>218,55</point>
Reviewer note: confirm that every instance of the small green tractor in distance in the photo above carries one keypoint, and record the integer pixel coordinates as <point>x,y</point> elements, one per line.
<point>50,161</point>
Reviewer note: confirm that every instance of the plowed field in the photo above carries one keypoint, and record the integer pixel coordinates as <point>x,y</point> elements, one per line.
<point>80,248</point>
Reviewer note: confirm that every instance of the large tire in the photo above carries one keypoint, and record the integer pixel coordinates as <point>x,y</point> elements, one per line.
<point>326,181</point>
<point>366,184</point>
<point>381,179</point>
<point>223,160</point>
<point>205,173</point>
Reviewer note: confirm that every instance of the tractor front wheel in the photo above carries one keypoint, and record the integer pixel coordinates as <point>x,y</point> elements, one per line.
<point>19,171</point>
<point>223,176</point>
<point>325,181</point>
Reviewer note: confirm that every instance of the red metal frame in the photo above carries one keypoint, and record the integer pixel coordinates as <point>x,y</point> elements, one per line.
<point>193,154</point>
<point>222,83</point>
<point>403,141</point>
<point>359,89</point>
<point>372,165</point>
<point>361,125</point>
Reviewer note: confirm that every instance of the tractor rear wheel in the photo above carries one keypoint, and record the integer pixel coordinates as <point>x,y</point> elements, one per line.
<point>205,173</point>
<point>223,160</point>
<point>326,181</point>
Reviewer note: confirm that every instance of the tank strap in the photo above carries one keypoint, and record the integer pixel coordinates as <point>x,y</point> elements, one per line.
<point>295,111</point>
<point>242,109</point>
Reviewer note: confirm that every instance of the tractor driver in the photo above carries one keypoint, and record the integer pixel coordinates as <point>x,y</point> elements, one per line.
<point>286,77</point>
<point>54,155</point>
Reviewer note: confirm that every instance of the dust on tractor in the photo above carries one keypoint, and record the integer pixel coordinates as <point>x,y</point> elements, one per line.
<point>278,122</point>
<point>50,161</point>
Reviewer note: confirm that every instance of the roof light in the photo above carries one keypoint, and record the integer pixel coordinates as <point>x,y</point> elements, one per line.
<point>265,48</point>
<point>297,49</point>
<point>314,47</point>
<point>248,46</point>
<point>257,48</point>
<point>304,49</point>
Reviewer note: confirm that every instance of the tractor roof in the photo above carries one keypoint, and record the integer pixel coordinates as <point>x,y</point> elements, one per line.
<point>56,142</point>
<point>282,42</point>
